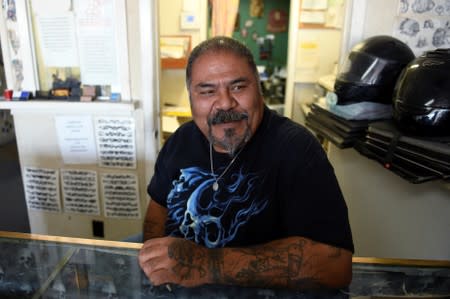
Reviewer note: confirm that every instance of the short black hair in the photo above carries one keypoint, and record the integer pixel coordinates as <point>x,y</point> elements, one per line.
<point>218,44</point>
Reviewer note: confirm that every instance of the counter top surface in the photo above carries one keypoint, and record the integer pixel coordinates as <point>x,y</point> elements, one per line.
<point>65,106</point>
<point>35,266</point>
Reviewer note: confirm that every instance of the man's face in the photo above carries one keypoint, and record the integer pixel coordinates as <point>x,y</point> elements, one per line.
<point>226,102</point>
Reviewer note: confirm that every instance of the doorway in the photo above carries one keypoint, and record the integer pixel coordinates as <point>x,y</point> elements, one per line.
<point>13,214</point>
<point>263,26</point>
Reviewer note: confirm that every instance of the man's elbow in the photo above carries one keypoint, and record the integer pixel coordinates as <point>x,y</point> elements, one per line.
<point>332,275</point>
<point>343,278</point>
<point>339,274</point>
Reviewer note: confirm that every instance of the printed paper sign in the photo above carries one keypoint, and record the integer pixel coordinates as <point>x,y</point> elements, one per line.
<point>116,142</point>
<point>76,139</point>
<point>80,194</point>
<point>42,189</point>
<point>121,195</point>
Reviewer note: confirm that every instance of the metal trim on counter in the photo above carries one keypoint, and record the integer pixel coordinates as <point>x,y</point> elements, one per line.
<point>70,240</point>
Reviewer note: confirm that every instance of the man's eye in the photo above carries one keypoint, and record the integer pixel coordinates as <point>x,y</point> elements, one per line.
<point>207,92</point>
<point>237,87</point>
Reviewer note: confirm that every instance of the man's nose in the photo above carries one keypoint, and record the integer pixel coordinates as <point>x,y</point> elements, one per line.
<point>226,100</point>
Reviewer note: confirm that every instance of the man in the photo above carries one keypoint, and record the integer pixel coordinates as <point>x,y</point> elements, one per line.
<point>241,195</point>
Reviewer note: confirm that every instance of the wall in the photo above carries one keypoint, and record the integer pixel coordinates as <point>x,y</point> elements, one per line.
<point>367,18</point>
<point>380,17</point>
<point>36,151</point>
<point>390,217</point>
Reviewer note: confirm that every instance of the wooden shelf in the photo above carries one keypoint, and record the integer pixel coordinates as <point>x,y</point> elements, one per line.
<point>175,44</point>
<point>173,63</point>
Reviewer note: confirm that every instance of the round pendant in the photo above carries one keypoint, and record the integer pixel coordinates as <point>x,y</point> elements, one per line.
<point>215,186</point>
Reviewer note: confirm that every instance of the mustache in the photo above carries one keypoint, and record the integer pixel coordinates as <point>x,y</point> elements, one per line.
<point>222,117</point>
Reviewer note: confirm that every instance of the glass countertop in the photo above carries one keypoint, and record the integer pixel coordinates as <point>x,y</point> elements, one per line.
<point>37,266</point>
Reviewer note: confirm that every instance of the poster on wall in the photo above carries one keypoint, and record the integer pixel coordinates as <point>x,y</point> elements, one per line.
<point>79,189</point>
<point>76,139</point>
<point>58,43</point>
<point>42,189</point>
<point>116,142</point>
<point>121,195</point>
<point>96,42</point>
<point>423,25</point>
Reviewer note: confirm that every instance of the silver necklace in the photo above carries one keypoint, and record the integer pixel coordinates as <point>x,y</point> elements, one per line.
<point>215,185</point>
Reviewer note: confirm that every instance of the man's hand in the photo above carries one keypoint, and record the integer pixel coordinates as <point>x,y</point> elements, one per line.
<point>174,260</point>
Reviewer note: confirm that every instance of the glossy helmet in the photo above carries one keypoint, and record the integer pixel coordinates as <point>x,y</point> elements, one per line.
<point>422,95</point>
<point>371,70</point>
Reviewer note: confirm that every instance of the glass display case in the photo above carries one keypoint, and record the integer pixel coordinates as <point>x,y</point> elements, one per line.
<point>37,266</point>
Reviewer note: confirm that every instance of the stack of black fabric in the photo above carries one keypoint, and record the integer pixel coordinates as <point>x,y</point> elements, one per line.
<point>341,132</point>
<point>416,159</point>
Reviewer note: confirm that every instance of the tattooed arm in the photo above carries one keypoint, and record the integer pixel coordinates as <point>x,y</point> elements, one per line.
<point>295,263</point>
<point>154,223</point>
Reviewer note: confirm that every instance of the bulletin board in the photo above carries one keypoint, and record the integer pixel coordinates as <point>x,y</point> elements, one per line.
<point>251,25</point>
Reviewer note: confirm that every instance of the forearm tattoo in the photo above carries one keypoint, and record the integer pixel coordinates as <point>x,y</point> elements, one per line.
<point>189,260</point>
<point>292,265</point>
<point>270,266</point>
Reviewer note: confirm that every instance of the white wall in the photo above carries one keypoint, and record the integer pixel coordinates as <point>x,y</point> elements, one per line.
<point>379,17</point>
<point>390,217</point>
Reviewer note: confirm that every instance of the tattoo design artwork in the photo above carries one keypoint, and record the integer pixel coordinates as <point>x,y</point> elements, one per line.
<point>271,261</point>
<point>189,261</point>
<point>271,265</point>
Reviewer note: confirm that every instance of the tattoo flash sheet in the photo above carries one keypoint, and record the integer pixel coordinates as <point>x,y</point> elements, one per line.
<point>116,142</point>
<point>121,195</point>
<point>423,25</point>
<point>42,189</point>
<point>80,194</point>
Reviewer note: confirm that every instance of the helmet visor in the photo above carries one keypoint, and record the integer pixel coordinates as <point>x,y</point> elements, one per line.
<point>367,69</point>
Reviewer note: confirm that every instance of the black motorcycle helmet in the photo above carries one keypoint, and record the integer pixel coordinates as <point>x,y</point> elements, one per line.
<point>371,70</point>
<point>422,95</point>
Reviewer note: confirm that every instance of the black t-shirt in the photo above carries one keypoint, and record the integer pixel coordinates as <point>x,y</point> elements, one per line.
<point>280,185</point>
